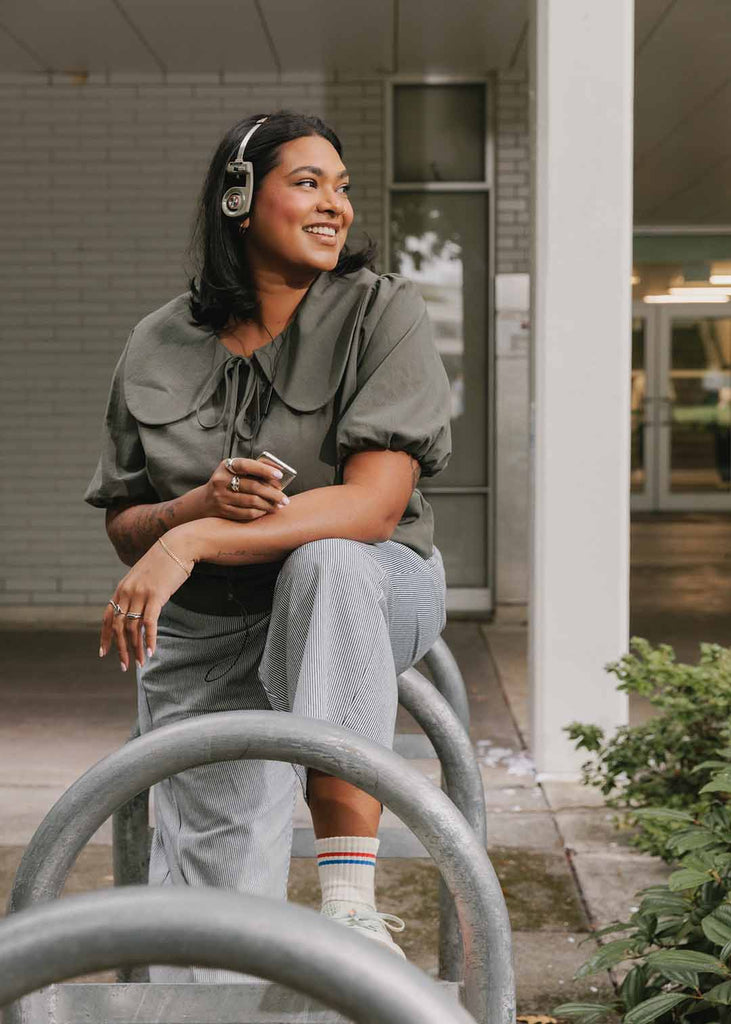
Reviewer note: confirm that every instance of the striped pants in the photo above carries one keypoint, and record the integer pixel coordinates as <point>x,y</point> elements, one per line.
<point>347,618</point>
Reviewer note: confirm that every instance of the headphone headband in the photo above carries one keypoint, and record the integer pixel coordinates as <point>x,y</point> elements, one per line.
<point>236,201</point>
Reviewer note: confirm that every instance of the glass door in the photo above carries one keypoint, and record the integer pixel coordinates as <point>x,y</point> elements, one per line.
<point>643,479</point>
<point>694,407</point>
<point>681,408</point>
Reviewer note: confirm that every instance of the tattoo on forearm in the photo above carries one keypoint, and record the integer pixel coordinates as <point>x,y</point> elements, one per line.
<point>135,535</point>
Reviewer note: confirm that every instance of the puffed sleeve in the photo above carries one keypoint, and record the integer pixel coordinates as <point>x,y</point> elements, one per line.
<point>121,474</point>
<point>401,399</point>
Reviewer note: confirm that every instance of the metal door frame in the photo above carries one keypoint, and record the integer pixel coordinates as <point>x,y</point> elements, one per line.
<point>462,600</point>
<point>657,496</point>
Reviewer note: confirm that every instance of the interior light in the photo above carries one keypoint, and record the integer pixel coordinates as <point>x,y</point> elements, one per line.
<point>714,296</point>
<point>720,279</point>
<point>697,291</point>
<point>636,279</point>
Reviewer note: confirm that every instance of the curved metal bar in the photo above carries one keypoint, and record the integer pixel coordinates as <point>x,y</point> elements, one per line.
<point>461,772</point>
<point>448,679</point>
<point>489,988</point>
<point>461,780</point>
<point>272,939</point>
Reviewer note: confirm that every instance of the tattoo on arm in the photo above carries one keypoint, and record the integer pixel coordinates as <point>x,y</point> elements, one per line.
<point>133,530</point>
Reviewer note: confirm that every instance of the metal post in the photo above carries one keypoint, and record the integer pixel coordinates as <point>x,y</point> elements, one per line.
<point>448,679</point>
<point>266,735</point>
<point>462,781</point>
<point>275,940</point>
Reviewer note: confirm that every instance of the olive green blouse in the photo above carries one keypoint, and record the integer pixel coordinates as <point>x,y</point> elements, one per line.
<point>356,368</point>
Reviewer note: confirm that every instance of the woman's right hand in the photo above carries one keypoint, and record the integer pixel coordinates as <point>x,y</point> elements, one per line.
<point>259,493</point>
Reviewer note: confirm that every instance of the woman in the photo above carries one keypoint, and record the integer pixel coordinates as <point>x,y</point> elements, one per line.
<point>242,596</point>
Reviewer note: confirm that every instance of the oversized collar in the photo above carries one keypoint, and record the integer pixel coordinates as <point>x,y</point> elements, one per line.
<point>173,366</point>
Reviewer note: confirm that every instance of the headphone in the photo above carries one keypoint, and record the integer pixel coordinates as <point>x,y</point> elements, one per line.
<point>236,201</point>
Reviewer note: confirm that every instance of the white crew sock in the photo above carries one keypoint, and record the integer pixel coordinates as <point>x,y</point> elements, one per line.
<point>347,869</point>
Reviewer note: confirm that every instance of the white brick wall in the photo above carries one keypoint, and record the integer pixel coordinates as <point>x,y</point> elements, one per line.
<point>99,183</point>
<point>512,159</point>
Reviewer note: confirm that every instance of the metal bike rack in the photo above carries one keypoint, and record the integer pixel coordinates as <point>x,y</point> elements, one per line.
<point>462,782</point>
<point>286,944</point>
<point>448,679</point>
<point>265,735</point>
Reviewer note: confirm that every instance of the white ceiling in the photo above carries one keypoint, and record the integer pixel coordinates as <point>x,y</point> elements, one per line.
<point>682,71</point>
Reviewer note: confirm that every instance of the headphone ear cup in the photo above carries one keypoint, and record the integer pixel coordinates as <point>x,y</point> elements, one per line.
<point>234,202</point>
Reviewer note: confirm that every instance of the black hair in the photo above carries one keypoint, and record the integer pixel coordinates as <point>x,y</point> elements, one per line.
<point>224,288</point>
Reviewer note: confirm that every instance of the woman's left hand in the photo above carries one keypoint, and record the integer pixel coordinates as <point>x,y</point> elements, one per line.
<point>143,591</point>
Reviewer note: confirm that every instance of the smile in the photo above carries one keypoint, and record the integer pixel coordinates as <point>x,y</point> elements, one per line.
<point>321,229</point>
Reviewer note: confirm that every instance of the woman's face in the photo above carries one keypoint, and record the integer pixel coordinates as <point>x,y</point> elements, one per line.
<point>301,215</point>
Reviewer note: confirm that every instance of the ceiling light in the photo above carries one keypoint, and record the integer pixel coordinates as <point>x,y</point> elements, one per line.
<point>714,296</point>
<point>720,278</point>
<point>697,292</point>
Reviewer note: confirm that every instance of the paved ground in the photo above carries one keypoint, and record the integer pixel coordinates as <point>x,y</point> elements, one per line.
<point>563,868</point>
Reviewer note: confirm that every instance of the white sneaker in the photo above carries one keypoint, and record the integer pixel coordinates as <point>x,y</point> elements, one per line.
<point>368,922</point>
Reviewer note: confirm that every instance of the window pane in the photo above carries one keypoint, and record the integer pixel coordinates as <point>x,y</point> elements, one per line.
<point>460,533</point>
<point>439,241</point>
<point>439,133</point>
<point>639,393</point>
<point>699,390</point>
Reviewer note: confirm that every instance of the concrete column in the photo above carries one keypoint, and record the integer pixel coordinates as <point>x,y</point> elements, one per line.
<point>581,128</point>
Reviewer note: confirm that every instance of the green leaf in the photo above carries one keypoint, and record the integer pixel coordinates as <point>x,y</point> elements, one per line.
<point>685,959</point>
<point>720,994</point>
<point>664,902</point>
<point>718,784</point>
<point>607,956</point>
<point>725,952</point>
<point>717,926</point>
<point>616,926</point>
<point>687,878</point>
<point>663,814</point>
<point>634,986</point>
<point>651,1009</point>
<point>587,1012</point>
<point>710,764</point>
<point>687,839</point>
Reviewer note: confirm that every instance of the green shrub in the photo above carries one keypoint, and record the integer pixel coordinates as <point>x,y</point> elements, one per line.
<point>652,765</point>
<point>679,940</point>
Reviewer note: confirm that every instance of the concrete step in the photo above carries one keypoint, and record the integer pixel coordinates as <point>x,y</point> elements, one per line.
<point>255,1002</point>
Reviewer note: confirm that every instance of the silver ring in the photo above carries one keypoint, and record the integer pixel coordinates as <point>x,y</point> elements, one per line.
<point>134,615</point>
<point>234,485</point>
<point>117,609</point>
<point>229,464</point>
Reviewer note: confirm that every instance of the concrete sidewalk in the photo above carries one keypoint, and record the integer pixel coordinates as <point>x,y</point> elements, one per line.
<point>561,864</point>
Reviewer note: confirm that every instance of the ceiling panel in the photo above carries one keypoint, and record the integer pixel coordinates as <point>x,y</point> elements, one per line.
<point>348,39</point>
<point>462,37</point>
<point>692,150</point>
<point>684,62</point>
<point>647,15</point>
<point>707,200</point>
<point>194,37</point>
<point>75,35</point>
<point>14,58</point>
